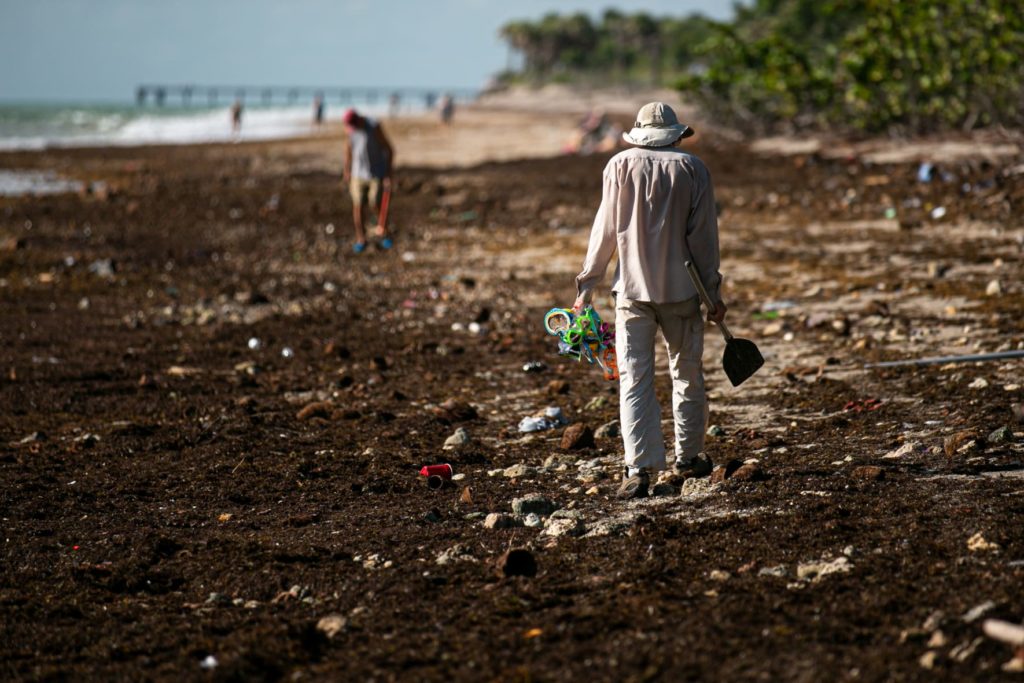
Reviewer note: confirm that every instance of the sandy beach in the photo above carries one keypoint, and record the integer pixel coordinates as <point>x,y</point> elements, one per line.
<point>213,417</point>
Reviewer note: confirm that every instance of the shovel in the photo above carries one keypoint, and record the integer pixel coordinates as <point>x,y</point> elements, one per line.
<point>741,358</point>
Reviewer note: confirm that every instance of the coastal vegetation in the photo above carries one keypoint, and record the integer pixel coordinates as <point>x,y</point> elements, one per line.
<point>865,65</point>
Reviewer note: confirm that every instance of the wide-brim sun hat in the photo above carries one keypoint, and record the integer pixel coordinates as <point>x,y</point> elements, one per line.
<point>656,126</point>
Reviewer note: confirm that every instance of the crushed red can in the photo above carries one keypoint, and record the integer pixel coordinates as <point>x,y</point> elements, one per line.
<point>444,471</point>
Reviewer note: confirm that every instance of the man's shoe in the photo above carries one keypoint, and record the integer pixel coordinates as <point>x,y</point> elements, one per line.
<point>696,467</point>
<point>635,486</point>
<point>386,243</point>
<point>358,247</point>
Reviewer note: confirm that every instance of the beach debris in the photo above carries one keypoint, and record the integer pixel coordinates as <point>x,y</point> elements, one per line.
<point>549,418</point>
<point>819,569</point>
<point>534,366</point>
<point>582,336</point>
<point>994,288</point>
<point>516,562</point>
<point>436,483</point>
<point>443,470</point>
<point>331,625</point>
<point>596,403</point>
<point>715,430</point>
<point>209,663</point>
<point>287,352</point>
<point>978,383</point>
<point>978,544</point>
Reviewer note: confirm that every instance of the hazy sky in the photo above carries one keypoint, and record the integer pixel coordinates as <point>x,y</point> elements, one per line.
<point>96,50</point>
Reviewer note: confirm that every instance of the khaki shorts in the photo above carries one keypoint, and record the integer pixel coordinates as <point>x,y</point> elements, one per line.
<point>365,191</point>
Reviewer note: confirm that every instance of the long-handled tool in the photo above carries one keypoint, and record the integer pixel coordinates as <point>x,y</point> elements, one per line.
<point>382,215</point>
<point>937,360</point>
<point>741,358</point>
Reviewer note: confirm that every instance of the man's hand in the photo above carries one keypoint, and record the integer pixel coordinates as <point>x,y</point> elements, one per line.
<point>719,314</point>
<point>582,301</point>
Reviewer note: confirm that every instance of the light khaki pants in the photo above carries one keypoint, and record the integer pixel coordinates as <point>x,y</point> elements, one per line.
<point>636,324</point>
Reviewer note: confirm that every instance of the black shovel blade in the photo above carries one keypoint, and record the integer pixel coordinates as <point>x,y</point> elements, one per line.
<point>741,360</point>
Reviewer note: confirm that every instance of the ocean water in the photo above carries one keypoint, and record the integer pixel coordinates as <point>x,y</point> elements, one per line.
<point>35,127</point>
<point>28,126</point>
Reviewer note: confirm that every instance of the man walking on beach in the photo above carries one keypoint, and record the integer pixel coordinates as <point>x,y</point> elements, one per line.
<point>368,162</point>
<point>658,210</point>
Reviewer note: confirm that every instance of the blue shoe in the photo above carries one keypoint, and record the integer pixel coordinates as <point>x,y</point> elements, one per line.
<point>358,247</point>
<point>386,243</point>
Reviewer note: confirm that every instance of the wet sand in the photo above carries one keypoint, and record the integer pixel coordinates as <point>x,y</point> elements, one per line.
<point>182,502</point>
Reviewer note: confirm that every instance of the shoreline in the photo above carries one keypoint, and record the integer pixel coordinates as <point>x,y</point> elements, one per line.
<point>516,124</point>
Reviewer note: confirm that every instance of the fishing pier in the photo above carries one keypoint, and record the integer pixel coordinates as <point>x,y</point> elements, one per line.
<point>187,95</point>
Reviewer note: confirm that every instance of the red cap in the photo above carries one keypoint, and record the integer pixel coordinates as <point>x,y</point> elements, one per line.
<point>350,116</point>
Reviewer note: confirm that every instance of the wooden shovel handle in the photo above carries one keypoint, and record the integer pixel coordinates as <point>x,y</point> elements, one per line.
<point>691,268</point>
<point>382,215</point>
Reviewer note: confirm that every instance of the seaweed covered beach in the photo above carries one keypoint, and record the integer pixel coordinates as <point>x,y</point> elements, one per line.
<point>213,418</point>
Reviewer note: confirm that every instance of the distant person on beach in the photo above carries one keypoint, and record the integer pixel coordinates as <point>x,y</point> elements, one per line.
<point>318,112</point>
<point>236,117</point>
<point>394,104</point>
<point>369,159</point>
<point>447,109</point>
<point>658,210</point>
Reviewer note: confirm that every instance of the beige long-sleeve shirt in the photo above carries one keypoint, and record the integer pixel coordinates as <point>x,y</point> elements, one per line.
<point>658,210</point>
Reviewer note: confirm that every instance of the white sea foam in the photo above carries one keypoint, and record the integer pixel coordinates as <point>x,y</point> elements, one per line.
<point>25,127</point>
